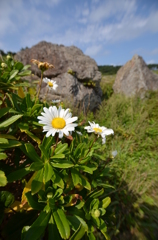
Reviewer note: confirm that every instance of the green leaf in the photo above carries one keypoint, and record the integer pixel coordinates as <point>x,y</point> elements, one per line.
<point>35,166</point>
<point>24,73</point>
<point>103,228</point>
<point>6,198</point>
<point>94,204</point>
<point>62,164</point>
<point>37,182</point>
<point>7,136</point>
<point>105,202</point>
<point>80,232</point>
<point>3,140</point>
<point>48,142</point>
<point>57,180</point>
<point>52,230</point>
<point>38,227</point>
<point>26,67</point>
<point>48,172</point>
<point>88,169</point>
<point>10,121</point>
<point>3,179</point>
<point>29,102</point>
<point>33,202</point>
<point>18,66</point>
<point>58,156</point>
<point>30,134</point>
<point>91,236</point>
<point>35,107</point>
<point>11,144</point>
<point>3,156</point>
<point>13,73</point>
<point>78,178</point>
<point>4,111</point>
<point>18,174</point>
<point>62,223</point>
<point>61,148</point>
<point>32,153</point>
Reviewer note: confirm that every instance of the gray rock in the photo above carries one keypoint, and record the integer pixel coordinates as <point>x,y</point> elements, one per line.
<point>72,87</point>
<point>135,78</point>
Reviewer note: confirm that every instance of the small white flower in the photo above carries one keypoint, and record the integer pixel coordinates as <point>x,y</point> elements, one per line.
<point>102,131</point>
<point>50,83</point>
<point>114,153</point>
<point>56,101</point>
<point>79,133</point>
<point>57,121</point>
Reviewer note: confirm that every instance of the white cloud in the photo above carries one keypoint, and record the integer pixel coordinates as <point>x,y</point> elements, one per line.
<point>93,50</point>
<point>155,51</point>
<point>150,61</point>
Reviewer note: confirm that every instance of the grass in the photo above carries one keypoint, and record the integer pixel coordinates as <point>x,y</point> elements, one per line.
<point>134,171</point>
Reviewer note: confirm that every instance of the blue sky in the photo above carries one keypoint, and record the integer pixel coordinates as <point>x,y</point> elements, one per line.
<point>109,31</point>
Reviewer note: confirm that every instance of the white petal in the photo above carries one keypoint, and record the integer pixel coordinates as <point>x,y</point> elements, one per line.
<point>70,120</point>
<point>60,134</point>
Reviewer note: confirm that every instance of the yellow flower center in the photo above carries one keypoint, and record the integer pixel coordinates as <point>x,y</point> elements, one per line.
<point>97,130</point>
<point>58,123</point>
<point>50,84</point>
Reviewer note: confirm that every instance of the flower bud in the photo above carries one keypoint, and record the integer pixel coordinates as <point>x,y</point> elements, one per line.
<point>3,65</point>
<point>96,213</point>
<point>8,57</point>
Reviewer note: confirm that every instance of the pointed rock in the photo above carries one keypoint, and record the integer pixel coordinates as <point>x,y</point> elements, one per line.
<point>135,78</point>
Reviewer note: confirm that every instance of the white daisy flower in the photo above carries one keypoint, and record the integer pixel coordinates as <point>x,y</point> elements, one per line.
<point>50,83</point>
<point>102,131</point>
<point>57,121</point>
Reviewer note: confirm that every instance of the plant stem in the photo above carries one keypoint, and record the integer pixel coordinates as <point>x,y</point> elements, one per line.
<point>39,87</point>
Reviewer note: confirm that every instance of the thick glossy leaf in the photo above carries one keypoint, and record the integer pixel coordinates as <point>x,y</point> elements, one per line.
<point>105,202</point>
<point>3,140</point>
<point>10,121</point>
<point>62,223</point>
<point>4,111</point>
<point>38,227</point>
<point>94,204</point>
<point>3,179</point>
<point>58,156</point>
<point>103,228</point>
<point>80,232</point>
<point>57,180</point>
<point>35,166</point>
<point>3,156</point>
<point>6,198</point>
<point>48,172</point>
<point>18,65</point>
<point>21,92</point>
<point>53,232</point>
<point>88,169</point>
<point>35,107</point>
<point>91,236</point>
<point>62,163</point>
<point>33,202</point>
<point>37,182</point>
<point>7,136</point>
<point>18,174</point>
<point>11,144</point>
<point>13,73</point>
<point>24,73</point>
<point>78,178</point>
<point>61,148</point>
<point>30,134</point>
<point>32,153</point>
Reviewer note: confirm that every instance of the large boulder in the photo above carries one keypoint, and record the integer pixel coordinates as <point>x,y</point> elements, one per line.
<point>135,78</point>
<point>76,74</point>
